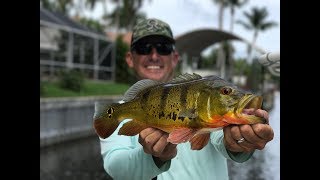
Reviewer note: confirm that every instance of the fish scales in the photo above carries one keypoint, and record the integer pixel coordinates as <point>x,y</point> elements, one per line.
<point>188,108</point>
<point>165,103</point>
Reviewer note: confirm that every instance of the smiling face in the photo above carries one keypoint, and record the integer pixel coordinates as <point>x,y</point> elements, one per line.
<point>153,65</point>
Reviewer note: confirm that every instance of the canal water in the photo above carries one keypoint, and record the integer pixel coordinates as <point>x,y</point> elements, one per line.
<point>74,160</point>
<point>81,159</point>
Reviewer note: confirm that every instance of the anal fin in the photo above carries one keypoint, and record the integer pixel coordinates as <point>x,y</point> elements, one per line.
<point>181,135</point>
<point>131,128</point>
<point>199,141</point>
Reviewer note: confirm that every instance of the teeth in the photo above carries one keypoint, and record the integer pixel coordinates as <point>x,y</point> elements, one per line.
<point>153,67</point>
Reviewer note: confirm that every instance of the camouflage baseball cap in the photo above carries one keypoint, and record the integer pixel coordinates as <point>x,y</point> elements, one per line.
<point>148,27</point>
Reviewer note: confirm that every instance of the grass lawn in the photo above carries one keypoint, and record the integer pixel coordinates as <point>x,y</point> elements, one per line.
<point>91,88</point>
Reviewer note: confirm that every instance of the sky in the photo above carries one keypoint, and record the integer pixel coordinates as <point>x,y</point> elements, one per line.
<point>187,15</point>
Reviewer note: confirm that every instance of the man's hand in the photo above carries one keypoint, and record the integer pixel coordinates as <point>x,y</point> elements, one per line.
<point>154,142</point>
<point>255,136</point>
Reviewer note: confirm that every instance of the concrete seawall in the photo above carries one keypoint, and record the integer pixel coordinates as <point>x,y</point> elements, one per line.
<point>63,119</point>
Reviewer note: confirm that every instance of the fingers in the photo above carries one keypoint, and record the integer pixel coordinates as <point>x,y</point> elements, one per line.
<point>258,112</point>
<point>151,138</point>
<point>160,145</point>
<point>230,139</point>
<point>252,141</point>
<point>169,152</point>
<point>154,142</point>
<point>262,113</point>
<point>255,137</point>
<point>238,132</point>
<point>264,131</point>
<point>247,132</point>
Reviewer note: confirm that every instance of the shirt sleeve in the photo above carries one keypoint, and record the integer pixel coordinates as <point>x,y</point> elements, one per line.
<point>124,158</point>
<point>216,139</point>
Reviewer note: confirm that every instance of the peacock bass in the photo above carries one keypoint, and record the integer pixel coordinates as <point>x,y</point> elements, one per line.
<point>188,107</point>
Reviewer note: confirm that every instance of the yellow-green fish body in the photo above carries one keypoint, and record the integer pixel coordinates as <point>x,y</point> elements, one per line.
<point>189,107</point>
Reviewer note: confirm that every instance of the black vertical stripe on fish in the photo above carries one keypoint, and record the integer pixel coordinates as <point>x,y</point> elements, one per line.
<point>183,95</point>
<point>144,99</point>
<point>174,116</point>
<point>164,96</point>
<point>161,114</point>
<point>181,118</point>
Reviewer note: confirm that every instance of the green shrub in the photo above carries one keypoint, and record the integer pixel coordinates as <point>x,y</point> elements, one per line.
<point>71,80</point>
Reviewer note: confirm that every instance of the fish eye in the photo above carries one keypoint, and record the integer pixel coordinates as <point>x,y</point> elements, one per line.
<point>226,90</point>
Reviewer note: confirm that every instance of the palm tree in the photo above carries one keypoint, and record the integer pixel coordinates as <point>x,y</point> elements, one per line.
<point>222,4</point>
<point>92,4</point>
<point>221,55</point>
<point>256,22</point>
<point>229,59</point>
<point>233,4</point>
<point>62,6</point>
<point>126,14</point>
<point>47,4</point>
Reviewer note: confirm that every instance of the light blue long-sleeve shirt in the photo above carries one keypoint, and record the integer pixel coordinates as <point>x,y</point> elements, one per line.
<point>124,158</point>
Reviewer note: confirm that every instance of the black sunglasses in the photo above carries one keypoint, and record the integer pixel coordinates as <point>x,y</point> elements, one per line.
<point>146,48</point>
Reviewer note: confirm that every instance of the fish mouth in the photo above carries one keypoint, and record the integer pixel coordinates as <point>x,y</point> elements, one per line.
<point>250,101</point>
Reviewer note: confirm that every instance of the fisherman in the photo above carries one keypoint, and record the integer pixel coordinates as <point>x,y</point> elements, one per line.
<point>148,155</point>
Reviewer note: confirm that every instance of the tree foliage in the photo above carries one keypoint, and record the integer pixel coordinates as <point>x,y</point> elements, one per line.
<point>62,6</point>
<point>209,60</point>
<point>71,79</point>
<point>241,67</point>
<point>125,14</point>
<point>92,24</point>
<point>123,73</point>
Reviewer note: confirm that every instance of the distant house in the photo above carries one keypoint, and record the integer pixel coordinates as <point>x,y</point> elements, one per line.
<point>49,39</point>
<point>66,44</point>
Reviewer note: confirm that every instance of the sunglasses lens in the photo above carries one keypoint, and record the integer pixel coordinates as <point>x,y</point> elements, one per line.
<point>145,49</point>
<point>164,49</point>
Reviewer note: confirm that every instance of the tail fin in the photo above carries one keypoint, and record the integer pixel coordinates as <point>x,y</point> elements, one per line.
<point>104,121</point>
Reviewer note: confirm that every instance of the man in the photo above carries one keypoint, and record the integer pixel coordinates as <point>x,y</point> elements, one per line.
<point>149,155</point>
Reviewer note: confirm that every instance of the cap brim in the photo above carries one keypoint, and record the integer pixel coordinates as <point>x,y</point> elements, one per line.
<point>167,37</point>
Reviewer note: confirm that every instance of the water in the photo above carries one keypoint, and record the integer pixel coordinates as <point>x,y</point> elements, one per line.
<point>81,159</point>
<point>265,164</point>
<point>73,160</point>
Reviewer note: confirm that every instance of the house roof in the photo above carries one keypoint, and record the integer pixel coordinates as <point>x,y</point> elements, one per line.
<point>194,42</point>
<point>61,19</point>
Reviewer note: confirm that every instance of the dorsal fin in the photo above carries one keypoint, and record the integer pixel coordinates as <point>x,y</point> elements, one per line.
<point>185,77</point>
<point>138,87</point>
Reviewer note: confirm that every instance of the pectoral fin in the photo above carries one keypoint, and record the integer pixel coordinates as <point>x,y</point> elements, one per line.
<point>132,128</point>
<point>199,141</point>
<point>181,135</point>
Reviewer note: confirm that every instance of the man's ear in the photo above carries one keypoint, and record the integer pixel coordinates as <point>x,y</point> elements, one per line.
<point>129,59</point>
